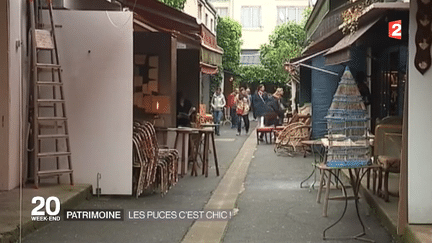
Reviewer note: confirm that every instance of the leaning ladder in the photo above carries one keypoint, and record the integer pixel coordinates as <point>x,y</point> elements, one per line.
<point>50,124</point>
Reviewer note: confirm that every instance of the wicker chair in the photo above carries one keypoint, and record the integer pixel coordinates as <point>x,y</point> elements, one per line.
<point>291,137</point>
<point>154,167</point>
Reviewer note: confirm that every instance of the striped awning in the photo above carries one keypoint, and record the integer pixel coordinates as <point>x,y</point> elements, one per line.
<point>208,69</point>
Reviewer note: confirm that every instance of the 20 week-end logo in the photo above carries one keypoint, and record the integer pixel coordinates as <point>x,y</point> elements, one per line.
<point>45,210</point>
<point>48,210</point>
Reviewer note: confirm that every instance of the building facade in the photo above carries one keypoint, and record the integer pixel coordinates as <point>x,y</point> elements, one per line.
<point>210,52</point>
<point>259,19</point>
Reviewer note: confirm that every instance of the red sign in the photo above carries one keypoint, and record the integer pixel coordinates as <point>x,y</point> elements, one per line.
<point>395,29</point>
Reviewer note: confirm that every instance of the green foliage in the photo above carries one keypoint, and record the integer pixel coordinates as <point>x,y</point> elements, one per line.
<point>216,81</point>
<point>229,38</point>
<point>255,74</point>
<point>178,4</point>
<point>286,42</point>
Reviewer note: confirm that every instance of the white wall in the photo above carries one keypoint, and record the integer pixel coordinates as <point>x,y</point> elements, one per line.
<point>254,38</point>
<point>96,54</point>
<point>419,136</point>
<point>15,97</point>
<point>4,97</point>
<point>11,107</point>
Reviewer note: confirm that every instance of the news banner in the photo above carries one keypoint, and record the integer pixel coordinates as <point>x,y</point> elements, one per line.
<point>48,210</point>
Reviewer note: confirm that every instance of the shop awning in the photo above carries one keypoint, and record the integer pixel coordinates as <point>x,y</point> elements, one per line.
<point>290,66</point>
<point>144,24</point>
<point>164,16</point>
<point>305,58</point>
<point>370,13</point>
<point>340,52</point>
<point>208,69</point>
<point>211,53</point>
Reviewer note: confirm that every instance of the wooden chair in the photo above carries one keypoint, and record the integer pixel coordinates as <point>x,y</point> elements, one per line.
<point>387,151</point>
<point>265,131</point>
<point>154,167</point>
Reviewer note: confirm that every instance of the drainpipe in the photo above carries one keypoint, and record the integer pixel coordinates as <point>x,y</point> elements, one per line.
<point>368,78</point>
<point>293,94</point>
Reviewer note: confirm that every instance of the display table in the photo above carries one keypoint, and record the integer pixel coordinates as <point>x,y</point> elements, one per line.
<point>183,134</point>
<point>355,177</point>
<point>207,134</point>
<point>209,125</point>
<point>318,152</point>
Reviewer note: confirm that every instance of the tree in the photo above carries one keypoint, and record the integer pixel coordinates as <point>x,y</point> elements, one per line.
<point>178,4</point>
<point>286,42</point>
<point>255,74</point>
<point>229,38</point>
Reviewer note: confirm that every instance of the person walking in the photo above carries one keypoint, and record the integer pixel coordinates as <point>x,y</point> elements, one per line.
<point>259,101</point>
<point>232,107</point>
<point>275,114</point>
<point>249,95</point>
<point>243,107</point>
<point>218,103</point>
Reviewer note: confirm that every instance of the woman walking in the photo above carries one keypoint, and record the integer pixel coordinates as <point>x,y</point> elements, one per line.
<point>243,107</point>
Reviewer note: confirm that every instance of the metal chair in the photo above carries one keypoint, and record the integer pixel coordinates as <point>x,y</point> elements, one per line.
<point>227,116</point>
<point>155,167</point>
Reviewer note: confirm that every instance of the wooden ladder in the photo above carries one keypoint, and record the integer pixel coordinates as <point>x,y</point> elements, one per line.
<point>50,124</point>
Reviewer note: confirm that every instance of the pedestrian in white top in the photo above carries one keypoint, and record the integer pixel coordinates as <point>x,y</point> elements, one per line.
<point>218,102</point>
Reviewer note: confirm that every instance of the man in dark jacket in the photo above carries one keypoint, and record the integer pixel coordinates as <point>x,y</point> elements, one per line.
<point>275,114</point>
<point>259,101</point>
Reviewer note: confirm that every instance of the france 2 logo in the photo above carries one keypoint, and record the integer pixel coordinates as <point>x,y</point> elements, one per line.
<point>395,29</point>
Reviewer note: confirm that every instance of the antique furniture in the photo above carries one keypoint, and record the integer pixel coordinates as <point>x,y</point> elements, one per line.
<point>183,133</point>
<point>153,167</point>
<point>387,151</point>
<point>291,137</point>
<point>265,131</point>
<point>207,134</point>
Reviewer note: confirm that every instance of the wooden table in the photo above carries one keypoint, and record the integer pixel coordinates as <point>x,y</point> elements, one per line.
<point>209,125</point>
<point>207,134</point>
<point>184,133</point>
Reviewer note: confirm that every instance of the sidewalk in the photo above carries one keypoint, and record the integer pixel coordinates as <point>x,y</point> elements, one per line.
<point>388,213</point>
<point>69,196</point>
<point>264,187</point>
<point>191,193</point>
